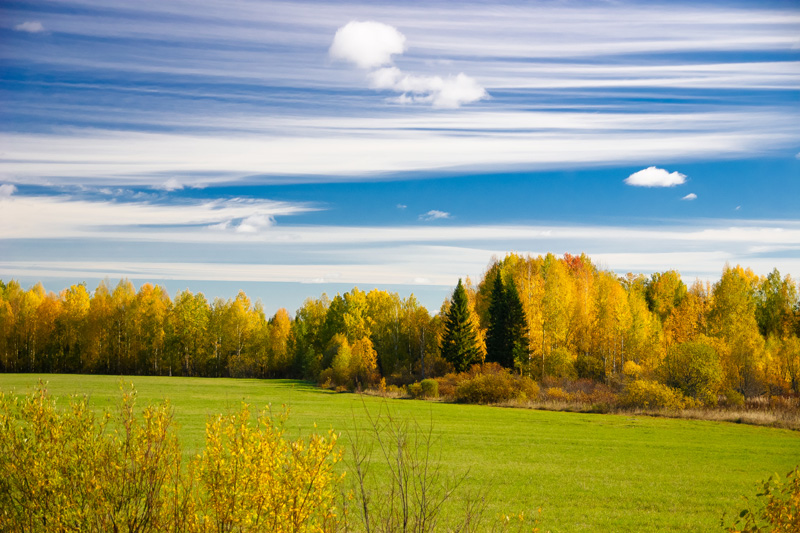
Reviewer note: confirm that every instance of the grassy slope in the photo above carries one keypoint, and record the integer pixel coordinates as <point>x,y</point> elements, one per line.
<point>587,472</point>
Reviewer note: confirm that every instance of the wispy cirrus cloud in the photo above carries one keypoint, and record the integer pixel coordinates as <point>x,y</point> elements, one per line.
<point>434,214</point>
<point>6,190</point>
<point>30,27</point>
<point>689,197</point>
<point>42,217</point>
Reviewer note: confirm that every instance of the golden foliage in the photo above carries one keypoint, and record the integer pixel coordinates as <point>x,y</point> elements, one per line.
<point>69,470</point>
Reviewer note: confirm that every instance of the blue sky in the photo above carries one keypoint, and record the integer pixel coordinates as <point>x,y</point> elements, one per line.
<point>291,148</point>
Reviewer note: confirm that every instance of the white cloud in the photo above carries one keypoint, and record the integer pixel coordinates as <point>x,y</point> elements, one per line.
<point>434,214</point>
<point>171,184</point>
<point>368,44</point>
<point>6,190</point>
<point>690,196</point>
<point>401,206</point>
<point>450,92</point>
<point>372,44</point>
<point>30,27</point>
<point>255,223</point>
<point>35,217</point>
<point>655,177</point>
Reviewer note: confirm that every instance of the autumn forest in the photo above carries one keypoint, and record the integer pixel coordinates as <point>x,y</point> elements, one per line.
<point>541,317</point>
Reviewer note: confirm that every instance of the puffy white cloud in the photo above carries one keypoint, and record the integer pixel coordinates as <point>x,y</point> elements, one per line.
<point>434,214</point>
<point>655,177</point>
<point>6,190</point>
<point>372,44</point>
<point>450,92</point>
<point>368,44</point>
<point>690,196</point>
<point>30,27</point>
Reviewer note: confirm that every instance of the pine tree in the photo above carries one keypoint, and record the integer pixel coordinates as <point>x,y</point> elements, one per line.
<point>517,327</point>
<point>498,343</point>
<point>507,340</point>
<point>459,344</point>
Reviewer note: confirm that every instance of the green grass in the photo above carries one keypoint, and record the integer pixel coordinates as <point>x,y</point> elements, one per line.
<point>587,472</point>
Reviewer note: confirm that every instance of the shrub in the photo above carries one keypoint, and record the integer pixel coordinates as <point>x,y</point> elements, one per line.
<point>777,509</point>
<point>733,398</point>
<point>590,367</point>
<point>694,369</point>
<point>430,388</point>
<point>68,470</point>
<point>558,394</point>
<point>495,386</point>
<point>632,370</point>
<point>414,390</point>
<point>447,385</point>
<point>645,394</point>
<point>560,363</point>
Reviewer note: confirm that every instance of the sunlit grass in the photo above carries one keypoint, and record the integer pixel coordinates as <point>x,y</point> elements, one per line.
<point>587,472</point>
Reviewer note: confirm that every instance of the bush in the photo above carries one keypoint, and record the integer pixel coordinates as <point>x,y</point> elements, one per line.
<point>694,369</point>
<point>558,394</point>
<point>414,390</point>
<point>590,367</point>
<point>560,363</point>
<point>777,509</point>
<point>645,394</point>
<point>733,398</point>
<point>631,370</point>
<point>68,470</point>
<point>430,388</point>
<point>495,386</point>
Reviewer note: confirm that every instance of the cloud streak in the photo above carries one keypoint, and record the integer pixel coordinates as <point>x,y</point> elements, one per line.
<point>434,214</point>
<point>30,27</point>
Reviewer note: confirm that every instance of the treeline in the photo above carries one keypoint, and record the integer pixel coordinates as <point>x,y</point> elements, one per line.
<point>545,317</point>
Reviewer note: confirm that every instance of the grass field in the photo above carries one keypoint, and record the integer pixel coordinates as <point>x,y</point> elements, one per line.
<point>587,472</point>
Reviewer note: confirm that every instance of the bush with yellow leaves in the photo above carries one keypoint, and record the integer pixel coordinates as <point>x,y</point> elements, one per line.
<point>71,470</point>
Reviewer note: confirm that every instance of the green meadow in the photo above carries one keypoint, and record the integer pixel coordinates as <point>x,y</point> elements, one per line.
<point>587,472</point>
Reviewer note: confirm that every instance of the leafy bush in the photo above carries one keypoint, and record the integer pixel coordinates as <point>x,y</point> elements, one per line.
<point>631,370</point>
<point>694,369</point>
<point>558,394</point>
<point>733,398</point>
<point>414,390</point>
<point>590,367</point>
<point>430,388</point>
<point>777,509</point>
<point>560,363</point>
<point>68,470</point>
<point>496,385</point>
<point>645,394</point>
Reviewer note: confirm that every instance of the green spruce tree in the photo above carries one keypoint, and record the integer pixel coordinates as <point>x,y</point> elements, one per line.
<point>498,342</point>
<point>507,341</point>
<point>459,344</point>
<point>517,325</point>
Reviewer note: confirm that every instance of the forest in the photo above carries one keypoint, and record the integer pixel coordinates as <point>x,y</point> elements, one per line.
<point>545,317</point>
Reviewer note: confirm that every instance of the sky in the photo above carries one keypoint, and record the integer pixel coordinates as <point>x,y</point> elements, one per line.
<point>292,148</point>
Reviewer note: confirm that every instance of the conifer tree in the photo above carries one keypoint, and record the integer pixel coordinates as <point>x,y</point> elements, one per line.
<point>517,325</point>
<point>459,344</point>
<point>507,339</point>
<point>498,342</point>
